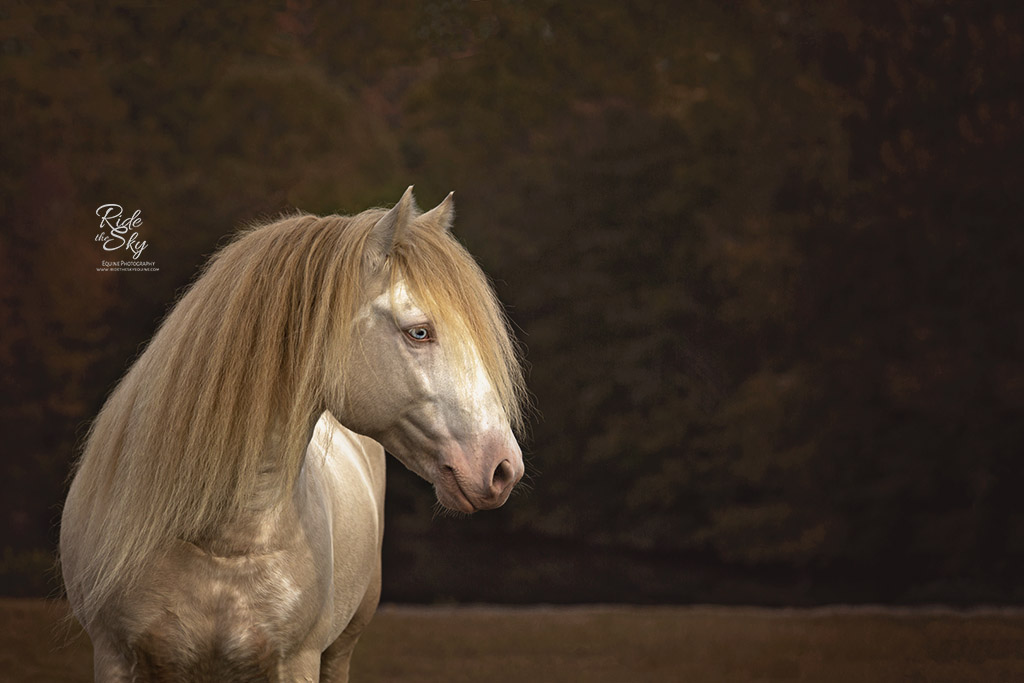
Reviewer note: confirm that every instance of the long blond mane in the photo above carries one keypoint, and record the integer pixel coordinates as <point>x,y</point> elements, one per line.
<point>248,358</point>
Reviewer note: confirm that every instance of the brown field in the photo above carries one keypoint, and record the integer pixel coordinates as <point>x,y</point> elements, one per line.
<point>620,644</point>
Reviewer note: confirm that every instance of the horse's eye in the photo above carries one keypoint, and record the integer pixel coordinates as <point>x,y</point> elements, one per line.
<point>420,334</point>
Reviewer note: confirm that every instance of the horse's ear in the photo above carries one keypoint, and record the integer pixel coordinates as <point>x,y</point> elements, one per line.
<point>441,216</point>
<point>389,228</point>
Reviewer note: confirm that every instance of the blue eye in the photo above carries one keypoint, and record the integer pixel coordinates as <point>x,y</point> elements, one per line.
<point>420,334</point>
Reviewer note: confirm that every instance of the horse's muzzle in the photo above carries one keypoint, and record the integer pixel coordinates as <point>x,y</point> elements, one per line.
<point>480,480</point>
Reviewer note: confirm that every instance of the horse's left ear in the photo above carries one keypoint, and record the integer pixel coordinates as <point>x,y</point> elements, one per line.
<point>389,228</point>
<point>441,216</point>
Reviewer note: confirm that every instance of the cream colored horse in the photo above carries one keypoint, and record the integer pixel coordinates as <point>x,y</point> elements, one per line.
<point>226,516</point>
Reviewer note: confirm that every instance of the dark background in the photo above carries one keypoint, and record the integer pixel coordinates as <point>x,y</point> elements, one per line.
<point>765,255</point>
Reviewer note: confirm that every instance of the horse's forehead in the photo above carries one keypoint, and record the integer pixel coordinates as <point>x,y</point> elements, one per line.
<point>400,299</point>
<point>396,300</point>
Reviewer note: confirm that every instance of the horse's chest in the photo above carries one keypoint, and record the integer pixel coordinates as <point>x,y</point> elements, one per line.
<point>278,588</point>
<point>319,564</point>
<point>238,612</point>
<point>246,608</point>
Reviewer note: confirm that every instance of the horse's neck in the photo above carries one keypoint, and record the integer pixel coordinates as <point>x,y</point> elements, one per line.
<point>269,519</point>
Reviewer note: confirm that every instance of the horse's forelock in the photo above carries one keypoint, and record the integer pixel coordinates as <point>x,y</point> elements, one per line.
<point>445,280</point>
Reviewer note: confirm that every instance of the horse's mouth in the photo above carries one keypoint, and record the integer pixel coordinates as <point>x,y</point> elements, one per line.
<point>450,494</point>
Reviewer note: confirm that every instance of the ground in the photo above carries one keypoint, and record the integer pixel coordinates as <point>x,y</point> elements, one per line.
<point>620,644</point>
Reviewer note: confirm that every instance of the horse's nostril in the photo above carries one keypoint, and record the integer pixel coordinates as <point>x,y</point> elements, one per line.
<point>503,475</point>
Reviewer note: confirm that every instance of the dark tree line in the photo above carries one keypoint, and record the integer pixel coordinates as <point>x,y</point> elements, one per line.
<point>765,257</point>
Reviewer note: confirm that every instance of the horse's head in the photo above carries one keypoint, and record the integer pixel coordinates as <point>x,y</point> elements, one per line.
<point>433,373</point>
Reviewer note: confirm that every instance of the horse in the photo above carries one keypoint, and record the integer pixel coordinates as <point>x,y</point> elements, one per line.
<point>225,518</point>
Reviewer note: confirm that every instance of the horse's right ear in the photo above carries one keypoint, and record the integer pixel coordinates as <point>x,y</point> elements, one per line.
<point>389,228</point>
<point>441,216</point>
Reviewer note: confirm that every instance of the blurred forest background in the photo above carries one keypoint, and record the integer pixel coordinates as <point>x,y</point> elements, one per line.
<point>765,256</point>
